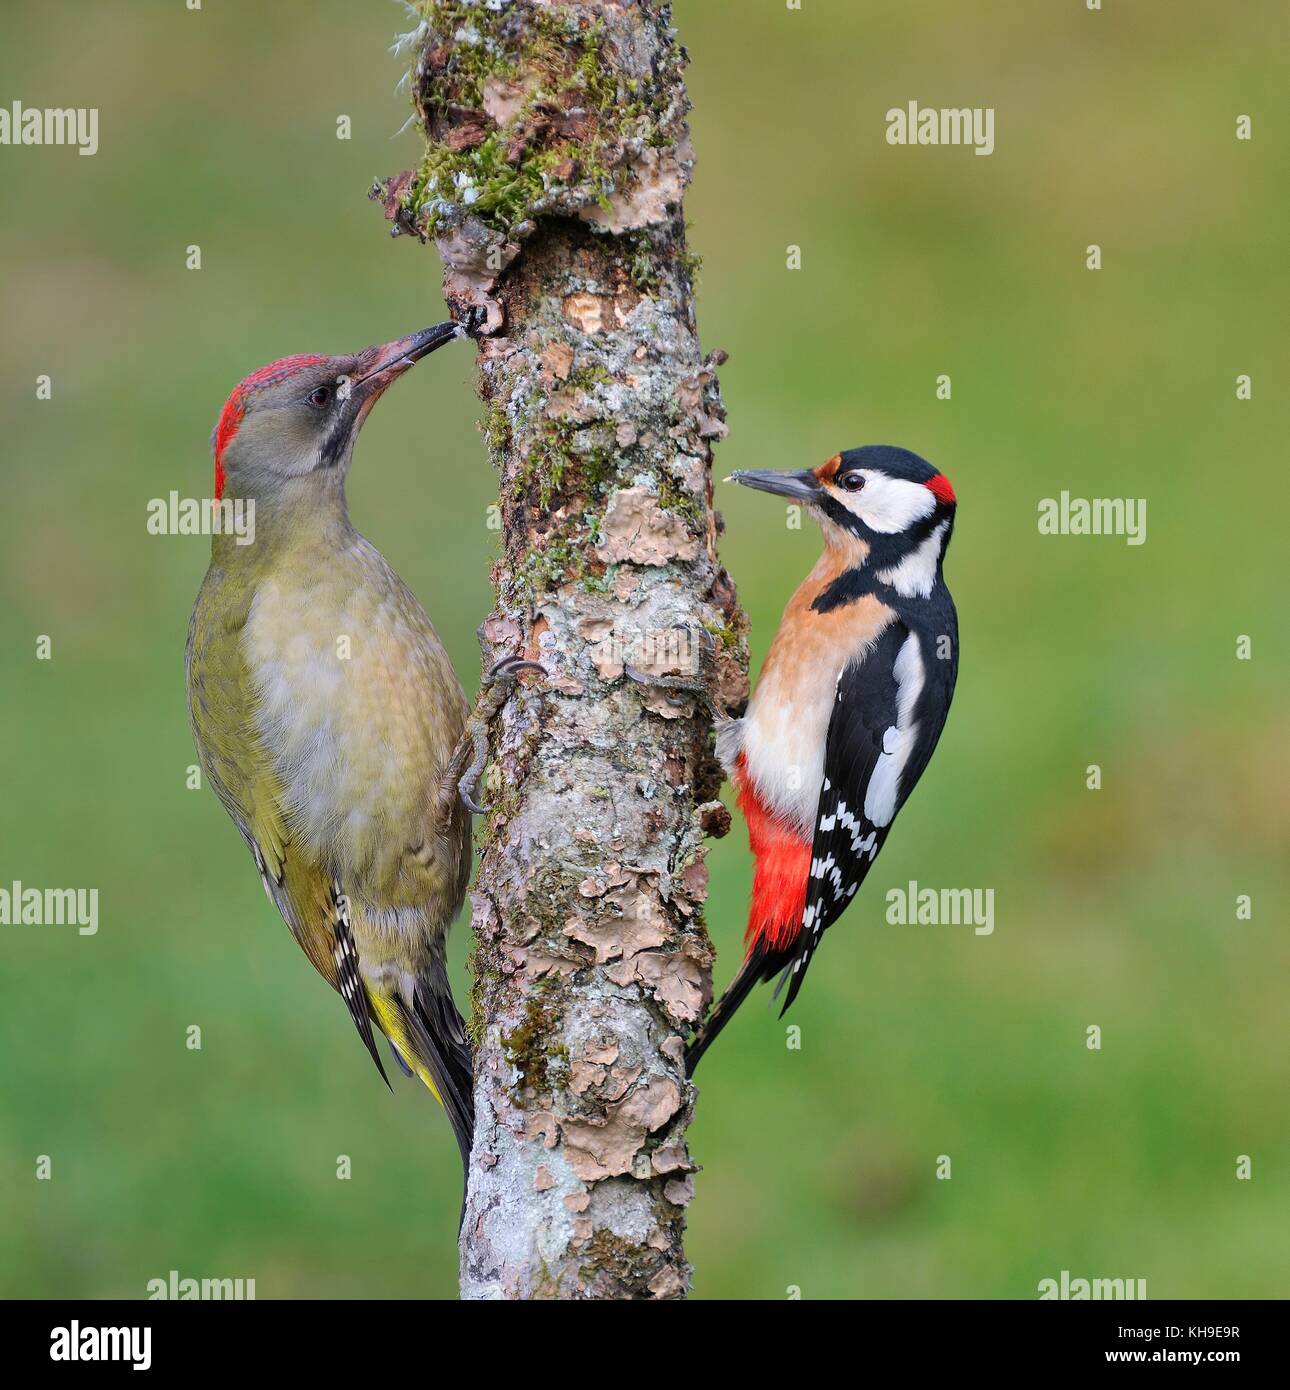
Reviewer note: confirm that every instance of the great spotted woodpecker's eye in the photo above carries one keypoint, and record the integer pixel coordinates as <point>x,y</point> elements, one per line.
<point>851,482</point>
<point>320,396</point>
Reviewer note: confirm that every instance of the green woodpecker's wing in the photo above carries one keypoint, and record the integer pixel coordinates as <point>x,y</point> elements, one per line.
<point>220,707</point>
<point>348,980</point>
<point>219,713</point>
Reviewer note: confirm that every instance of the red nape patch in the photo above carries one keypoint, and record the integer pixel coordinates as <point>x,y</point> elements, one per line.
<point>783,865</point>
<point>940,485</point>
<point>235,407</point>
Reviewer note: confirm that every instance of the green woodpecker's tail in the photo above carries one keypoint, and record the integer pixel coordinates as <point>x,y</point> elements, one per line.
<point>431,1038</point>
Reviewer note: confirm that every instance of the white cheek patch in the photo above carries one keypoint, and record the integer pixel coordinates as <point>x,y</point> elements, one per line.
<point>888,505</point>
<point>897,741</point>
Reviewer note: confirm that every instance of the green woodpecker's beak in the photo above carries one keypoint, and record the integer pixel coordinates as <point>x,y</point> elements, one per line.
<point>801,486</point>
<point>379,366</point>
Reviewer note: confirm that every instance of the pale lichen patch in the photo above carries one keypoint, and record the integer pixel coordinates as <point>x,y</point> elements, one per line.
<point>636,529</point>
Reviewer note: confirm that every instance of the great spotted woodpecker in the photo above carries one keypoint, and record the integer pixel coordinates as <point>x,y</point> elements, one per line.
<point>849,706</point>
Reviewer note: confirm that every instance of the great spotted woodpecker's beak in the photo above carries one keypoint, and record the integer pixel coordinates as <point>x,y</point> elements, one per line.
<point>801,486</point>
<point>379,366</point>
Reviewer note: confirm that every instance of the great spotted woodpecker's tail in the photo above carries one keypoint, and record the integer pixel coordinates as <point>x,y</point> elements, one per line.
<point>755,969</point>
<point>760,965</point>
<point>775,915</point>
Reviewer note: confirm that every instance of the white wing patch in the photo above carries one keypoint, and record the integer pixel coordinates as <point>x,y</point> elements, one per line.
<point>897,741</point>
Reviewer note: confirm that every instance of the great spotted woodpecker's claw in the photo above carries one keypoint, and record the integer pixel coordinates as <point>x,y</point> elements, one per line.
<point>509,668</point>
<point>495,689</point>
<point>693,685</point>
<point>688,684</point>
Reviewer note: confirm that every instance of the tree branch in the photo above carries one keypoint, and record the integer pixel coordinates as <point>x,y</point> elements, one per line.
<point>557,156</point>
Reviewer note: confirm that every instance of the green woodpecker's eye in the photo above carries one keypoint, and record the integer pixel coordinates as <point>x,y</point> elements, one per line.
<point>320,396</point>
<point>851,482</point>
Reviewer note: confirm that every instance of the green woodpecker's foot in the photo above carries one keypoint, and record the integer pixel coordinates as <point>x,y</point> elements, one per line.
<point>494,692</point>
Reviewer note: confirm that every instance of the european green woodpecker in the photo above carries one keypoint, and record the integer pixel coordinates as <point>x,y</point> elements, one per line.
<point>328,717</point>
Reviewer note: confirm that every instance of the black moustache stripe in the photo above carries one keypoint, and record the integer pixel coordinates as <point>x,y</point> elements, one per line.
<point>337,437</point>
<point>885,549</point>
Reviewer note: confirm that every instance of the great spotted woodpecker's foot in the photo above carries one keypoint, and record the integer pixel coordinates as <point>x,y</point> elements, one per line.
<point>493,694</point>
<point>696,683</point>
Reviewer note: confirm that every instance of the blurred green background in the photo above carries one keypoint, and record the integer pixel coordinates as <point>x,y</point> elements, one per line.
<point>1115,907</point>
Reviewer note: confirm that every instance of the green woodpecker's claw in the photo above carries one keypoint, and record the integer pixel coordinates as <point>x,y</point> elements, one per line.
<point>477,732</point>
<point>496,687</point>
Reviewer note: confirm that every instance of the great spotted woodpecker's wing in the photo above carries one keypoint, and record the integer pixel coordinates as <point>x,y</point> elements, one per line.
<point>858,795</point>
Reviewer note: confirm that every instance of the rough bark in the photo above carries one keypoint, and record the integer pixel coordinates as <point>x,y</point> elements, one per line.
<point>557,156</point>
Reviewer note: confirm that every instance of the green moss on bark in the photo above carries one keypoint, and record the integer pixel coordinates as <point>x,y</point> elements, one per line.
<point>572,113</point>
<point>529,1047</point>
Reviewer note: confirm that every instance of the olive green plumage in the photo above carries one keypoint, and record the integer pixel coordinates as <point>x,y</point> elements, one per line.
<point>327,717</point>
